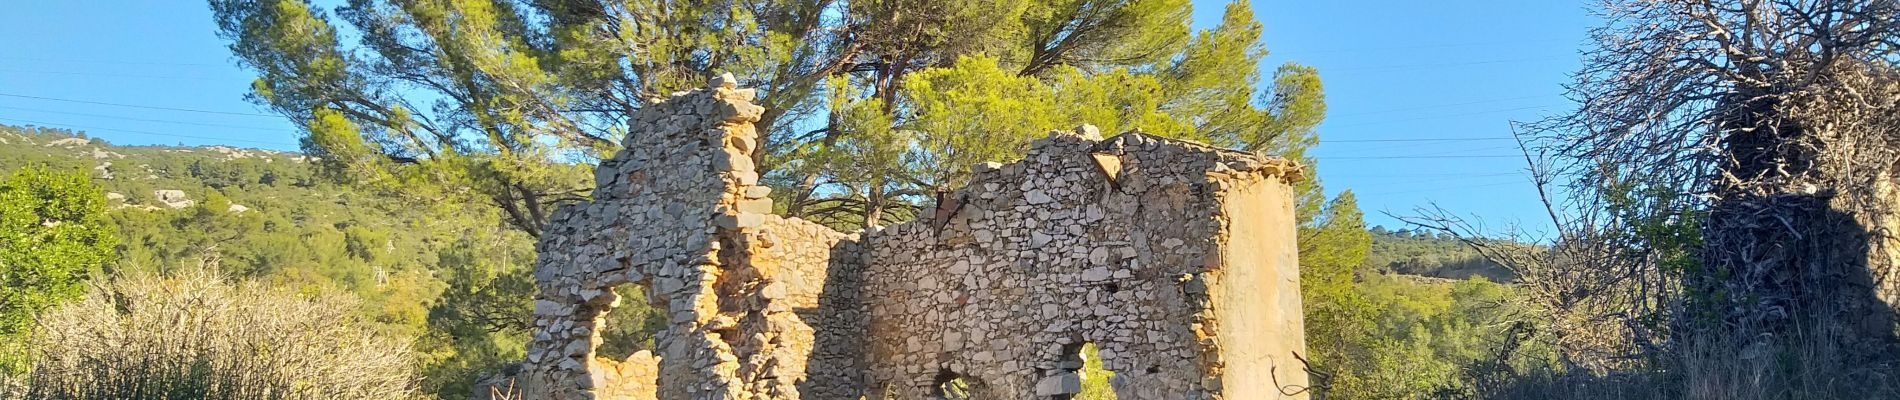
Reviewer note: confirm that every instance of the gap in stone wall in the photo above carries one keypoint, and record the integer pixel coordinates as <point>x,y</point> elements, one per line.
<point>1095,377</point>
<point>1080,375</point>
<point>629,326</point>
<point>953,386</point>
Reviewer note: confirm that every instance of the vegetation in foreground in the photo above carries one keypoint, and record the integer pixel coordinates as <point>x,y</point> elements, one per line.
<point>450,297</point>
<point>194,335</point>
<point>1694,148</point>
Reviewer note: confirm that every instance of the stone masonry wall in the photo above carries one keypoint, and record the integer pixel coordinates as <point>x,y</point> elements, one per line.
<point>1120,243</point>
<point>1148,248</point>
<point>680,212</point>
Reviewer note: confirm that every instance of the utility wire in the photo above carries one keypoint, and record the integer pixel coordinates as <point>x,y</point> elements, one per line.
<point>1465,139</point>
<point>1453,174</point>
<point>137,132</point>
<point>1432,152</point>
<point>1418,47</point>
<point>1461,187</point>
<point>148,120</point>
<point>1408,157</point>
<point>1370,68</point>
<point>1431,106</point>
<point>110,75</point>
<point>1441,116</point>
<point>1412,148</point>
<point>137,106</point>
<point>121,62</point>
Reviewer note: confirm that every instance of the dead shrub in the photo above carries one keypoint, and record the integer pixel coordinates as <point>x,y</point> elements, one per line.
<point>195,336</point>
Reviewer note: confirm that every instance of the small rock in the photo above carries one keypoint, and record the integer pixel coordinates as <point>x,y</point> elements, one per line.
<point>1037,196</point>
<point>739,221</point>
<point>724,80</point>
<point>1089,132</point>
<point>1059,384</point>
<point>755,206</point>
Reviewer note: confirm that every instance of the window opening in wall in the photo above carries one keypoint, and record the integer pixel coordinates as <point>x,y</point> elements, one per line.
<point>1085,362</point>
<point>952,386</point>
<point>630,325</point>
<point>1094,378</point>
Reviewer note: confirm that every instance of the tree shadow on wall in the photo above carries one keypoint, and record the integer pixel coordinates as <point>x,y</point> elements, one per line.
<point>1788,303</point>
<point>835,368</point>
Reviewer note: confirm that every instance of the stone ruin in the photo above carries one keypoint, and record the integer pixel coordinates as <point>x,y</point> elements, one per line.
<point>1177,260</point>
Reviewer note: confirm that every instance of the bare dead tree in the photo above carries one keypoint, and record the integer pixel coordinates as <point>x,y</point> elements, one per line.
<point>1727,183</point>
<point>1594,302</point>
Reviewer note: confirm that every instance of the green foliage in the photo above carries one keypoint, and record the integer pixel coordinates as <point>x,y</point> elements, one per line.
<point>1402,337</point>
<point>455,278</point>
<point>53,236</point>
<point>968,113</point>
<point>987,108</point>
<point>492,109</point>
<point>1095,384</point>
<point>495,131</point>
<point>1081,32</point>
<point>478,101</point>
<point>1384,336</point>
<point>499,104</point>
<point>481,320</point>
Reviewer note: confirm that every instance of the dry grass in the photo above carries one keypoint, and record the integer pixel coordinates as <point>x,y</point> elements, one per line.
<point>1806,365</point>
<point>195,336</point>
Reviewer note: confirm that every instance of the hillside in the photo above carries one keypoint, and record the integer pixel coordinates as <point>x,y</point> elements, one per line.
<point>251,213</point>
<point>1426,254</point>
<point>447,275</point>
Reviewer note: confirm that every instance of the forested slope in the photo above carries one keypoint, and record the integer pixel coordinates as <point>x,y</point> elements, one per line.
<point>452,277</point>
<point>1424,253</point>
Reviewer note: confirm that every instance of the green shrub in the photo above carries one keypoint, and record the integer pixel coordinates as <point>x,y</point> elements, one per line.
<point>52,235</point>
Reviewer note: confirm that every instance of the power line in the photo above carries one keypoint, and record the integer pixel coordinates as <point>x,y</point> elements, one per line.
<point>78,61</point>
<point>1436,152</point>
<point>148,120</point>
<point>1431,106</point>
<point>1443,116</point>
<point>1466,139</point>
<point>44,124</point>
<point>1437,65</point>
<point>1410,148</point>
<point>108,74</point>
<point>1430,46</point>
<point>1454,174</point>
<point>1408,157</point>
<point>1388,193</point>
<point>138,106</point>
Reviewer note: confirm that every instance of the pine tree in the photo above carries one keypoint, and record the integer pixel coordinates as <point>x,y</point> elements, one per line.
<point>874,106</point>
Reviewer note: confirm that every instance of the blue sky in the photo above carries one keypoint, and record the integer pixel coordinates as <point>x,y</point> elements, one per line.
<point>1393,70</point>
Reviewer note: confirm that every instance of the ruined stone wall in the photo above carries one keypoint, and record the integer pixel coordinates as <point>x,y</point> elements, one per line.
<point>746,293</point>
<point>1123,243</point>
<point>1148,248</point>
